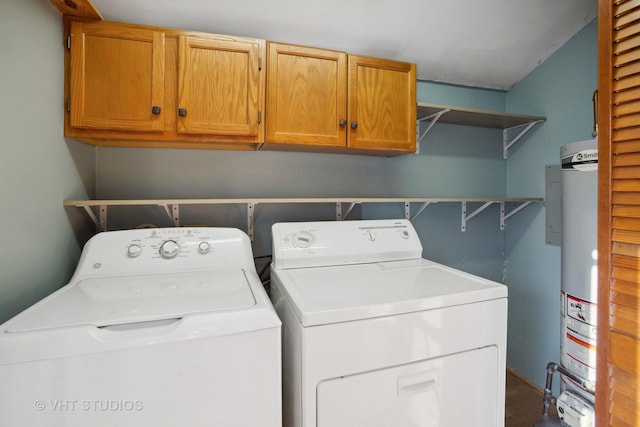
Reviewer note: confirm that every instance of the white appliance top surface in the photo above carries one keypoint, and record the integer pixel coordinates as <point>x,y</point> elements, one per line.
<point>325,295</point>
<point>130,299</point>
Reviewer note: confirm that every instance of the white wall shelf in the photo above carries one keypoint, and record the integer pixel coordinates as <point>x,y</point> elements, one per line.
<point>97,210</point>
<point>509,123</point>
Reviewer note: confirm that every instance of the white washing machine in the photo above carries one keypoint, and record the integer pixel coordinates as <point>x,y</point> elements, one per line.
<point>376,336</point>
<point>158,327</point>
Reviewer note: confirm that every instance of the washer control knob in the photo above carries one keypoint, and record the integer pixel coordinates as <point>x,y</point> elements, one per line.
<point>204,247</point>
<point>405,234</point>
<point>169,249</point>
<point>134,250</point>
<point>371,235</point>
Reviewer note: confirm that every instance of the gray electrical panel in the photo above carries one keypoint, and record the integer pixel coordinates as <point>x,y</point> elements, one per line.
<point>553,205</point>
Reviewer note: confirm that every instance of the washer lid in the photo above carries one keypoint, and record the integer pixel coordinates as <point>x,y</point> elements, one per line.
<point>131,299</point>
<point>338,294</point>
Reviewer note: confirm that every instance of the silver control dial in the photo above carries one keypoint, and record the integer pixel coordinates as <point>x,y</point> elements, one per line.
<point>169,249</point>
<point>134,250</point>
<point>204,247</point>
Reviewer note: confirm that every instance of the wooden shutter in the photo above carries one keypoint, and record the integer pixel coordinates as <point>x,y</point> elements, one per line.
<point>618,385</point>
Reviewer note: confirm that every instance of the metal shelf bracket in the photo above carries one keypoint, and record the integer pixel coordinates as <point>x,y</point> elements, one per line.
<point>250,214</point>
<point>101,221</point>
<point>431,119</point>
<point>422,207</point>
<point>466,217</point>
<point>506,144</point>
<point>103,217</point>
<point>339,215</point>
<point>505,216</point>
<point>174,214</point>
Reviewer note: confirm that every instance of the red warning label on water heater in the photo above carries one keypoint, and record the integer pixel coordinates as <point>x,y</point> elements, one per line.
<point>581,310</point>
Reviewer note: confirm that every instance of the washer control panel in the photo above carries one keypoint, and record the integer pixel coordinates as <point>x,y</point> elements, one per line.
<point>159,250</point>
<point>315,244</point>
<point>169,244</point>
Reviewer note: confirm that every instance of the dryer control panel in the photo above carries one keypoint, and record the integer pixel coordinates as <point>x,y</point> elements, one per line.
<point>159,250</point>
<point>326,243</point>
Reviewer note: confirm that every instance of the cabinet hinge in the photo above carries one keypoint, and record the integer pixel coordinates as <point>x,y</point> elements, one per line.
<point>259,64</point>
<point>68,105</point>
<point>68,42</point>
<point>259,117</point>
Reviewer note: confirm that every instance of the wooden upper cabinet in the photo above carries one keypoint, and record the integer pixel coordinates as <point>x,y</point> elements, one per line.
<point>382,104</point>
<point>116,77</point>
<point>134,85</point>
<point>219,85</point>
<point>329,99</point>
<point>306,96</point>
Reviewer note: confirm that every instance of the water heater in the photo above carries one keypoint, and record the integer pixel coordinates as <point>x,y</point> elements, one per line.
<point>579,262</point>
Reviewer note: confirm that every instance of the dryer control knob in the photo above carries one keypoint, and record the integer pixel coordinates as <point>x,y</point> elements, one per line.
<point>204,247</point>
<point>134,250</point>
<point>169,249</point>
<point>303,239</point>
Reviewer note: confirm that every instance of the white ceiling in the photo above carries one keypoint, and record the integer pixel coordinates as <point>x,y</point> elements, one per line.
<point>483,43</point>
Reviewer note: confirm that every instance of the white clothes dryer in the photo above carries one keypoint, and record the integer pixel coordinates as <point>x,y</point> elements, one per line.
<point>376,336</point>
<point>157,327</point>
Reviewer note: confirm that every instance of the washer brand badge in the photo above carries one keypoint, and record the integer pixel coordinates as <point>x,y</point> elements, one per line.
<point>585,160</point>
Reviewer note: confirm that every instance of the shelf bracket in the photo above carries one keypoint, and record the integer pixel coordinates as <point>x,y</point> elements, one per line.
<point>174,215</point>
<point>250,214</point>
<point>466,217</point>
<point>102,211</point>
<point>505,216</point>
<point>101,223</point>
<point>351,206</point>
<point>431,119</point>
<point>420,209</point>
<point>506,144</point>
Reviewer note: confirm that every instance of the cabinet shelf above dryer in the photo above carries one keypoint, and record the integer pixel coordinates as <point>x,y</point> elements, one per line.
<point>432,113</point>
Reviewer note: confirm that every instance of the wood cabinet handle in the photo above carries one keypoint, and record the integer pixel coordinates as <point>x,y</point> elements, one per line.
<point>155,110</point>
<point>354,125</point>
<point>182,112</point>
<point>343,122</point>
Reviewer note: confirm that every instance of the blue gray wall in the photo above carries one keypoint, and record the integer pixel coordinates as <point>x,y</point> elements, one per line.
<point>560,89</point>
<point>453,161</point>
<point>37,166</point>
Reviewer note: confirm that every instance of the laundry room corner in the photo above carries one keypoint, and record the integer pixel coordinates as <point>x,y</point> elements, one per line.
<point>561,89</point>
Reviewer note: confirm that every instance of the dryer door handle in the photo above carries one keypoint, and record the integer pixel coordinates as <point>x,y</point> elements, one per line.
<point>417,383</point>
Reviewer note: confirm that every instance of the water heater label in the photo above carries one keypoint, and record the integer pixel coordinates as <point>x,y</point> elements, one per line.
<point>585,160</point>
<point>581,310</point>
<point>579,356</point>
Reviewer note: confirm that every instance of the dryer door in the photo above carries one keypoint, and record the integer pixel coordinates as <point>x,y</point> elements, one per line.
<point>455,390</point>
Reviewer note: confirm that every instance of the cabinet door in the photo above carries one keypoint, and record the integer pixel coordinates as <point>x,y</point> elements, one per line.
<point>306,96</point>
<point>382,104</point>
<point>219,85</point>
<point>117,77</point>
